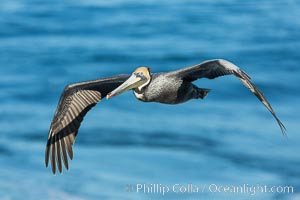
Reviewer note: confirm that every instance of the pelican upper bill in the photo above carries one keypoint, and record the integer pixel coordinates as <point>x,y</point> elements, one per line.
<point>169,88</point>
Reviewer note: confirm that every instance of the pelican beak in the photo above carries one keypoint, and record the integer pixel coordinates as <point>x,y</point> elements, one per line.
<point>132,82</point>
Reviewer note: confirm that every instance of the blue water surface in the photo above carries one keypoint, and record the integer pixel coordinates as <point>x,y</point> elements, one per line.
<point>228,139</point>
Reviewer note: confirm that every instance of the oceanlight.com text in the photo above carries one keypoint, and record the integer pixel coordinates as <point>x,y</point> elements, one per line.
<point>162,189</point>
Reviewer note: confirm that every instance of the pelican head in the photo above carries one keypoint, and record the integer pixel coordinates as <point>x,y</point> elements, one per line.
<point>138,79</point>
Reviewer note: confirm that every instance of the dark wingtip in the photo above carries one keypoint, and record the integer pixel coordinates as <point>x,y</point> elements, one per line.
<point>47,152</point>
<point>46,163</point>
<point>60,168</point>
<point>54,170</point>
<point>64,153</point>
<point>281,125</point>
<point>47,156</point>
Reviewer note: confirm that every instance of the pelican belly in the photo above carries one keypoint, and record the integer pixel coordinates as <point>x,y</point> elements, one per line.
<point>166,89</point>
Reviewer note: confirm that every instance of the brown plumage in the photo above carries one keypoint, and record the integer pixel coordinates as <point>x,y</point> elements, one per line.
<point>75,101</point>
<point>169,88</point>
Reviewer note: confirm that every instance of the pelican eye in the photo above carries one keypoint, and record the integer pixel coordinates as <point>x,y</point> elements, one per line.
<point>140,75</point>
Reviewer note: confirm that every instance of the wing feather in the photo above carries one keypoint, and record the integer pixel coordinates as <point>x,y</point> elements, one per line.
<point>214,68</point>
<point>76,100</point>
<point>64,153</point>
<point>58,157</point>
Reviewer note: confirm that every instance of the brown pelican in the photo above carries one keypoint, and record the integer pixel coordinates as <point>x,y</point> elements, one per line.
<point>169,88</point>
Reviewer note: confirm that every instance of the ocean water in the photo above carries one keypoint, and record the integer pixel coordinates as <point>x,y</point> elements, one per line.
<point>229,140</point>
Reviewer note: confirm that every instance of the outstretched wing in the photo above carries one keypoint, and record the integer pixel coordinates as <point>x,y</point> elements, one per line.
<point>214,68</point>
<point>76,100</point>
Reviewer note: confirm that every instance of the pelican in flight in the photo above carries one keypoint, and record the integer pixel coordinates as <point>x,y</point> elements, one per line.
<point>169,88</point>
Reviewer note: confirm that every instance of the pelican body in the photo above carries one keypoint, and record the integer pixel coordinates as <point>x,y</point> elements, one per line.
<point>162,88</point>
<point>169,88</point>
